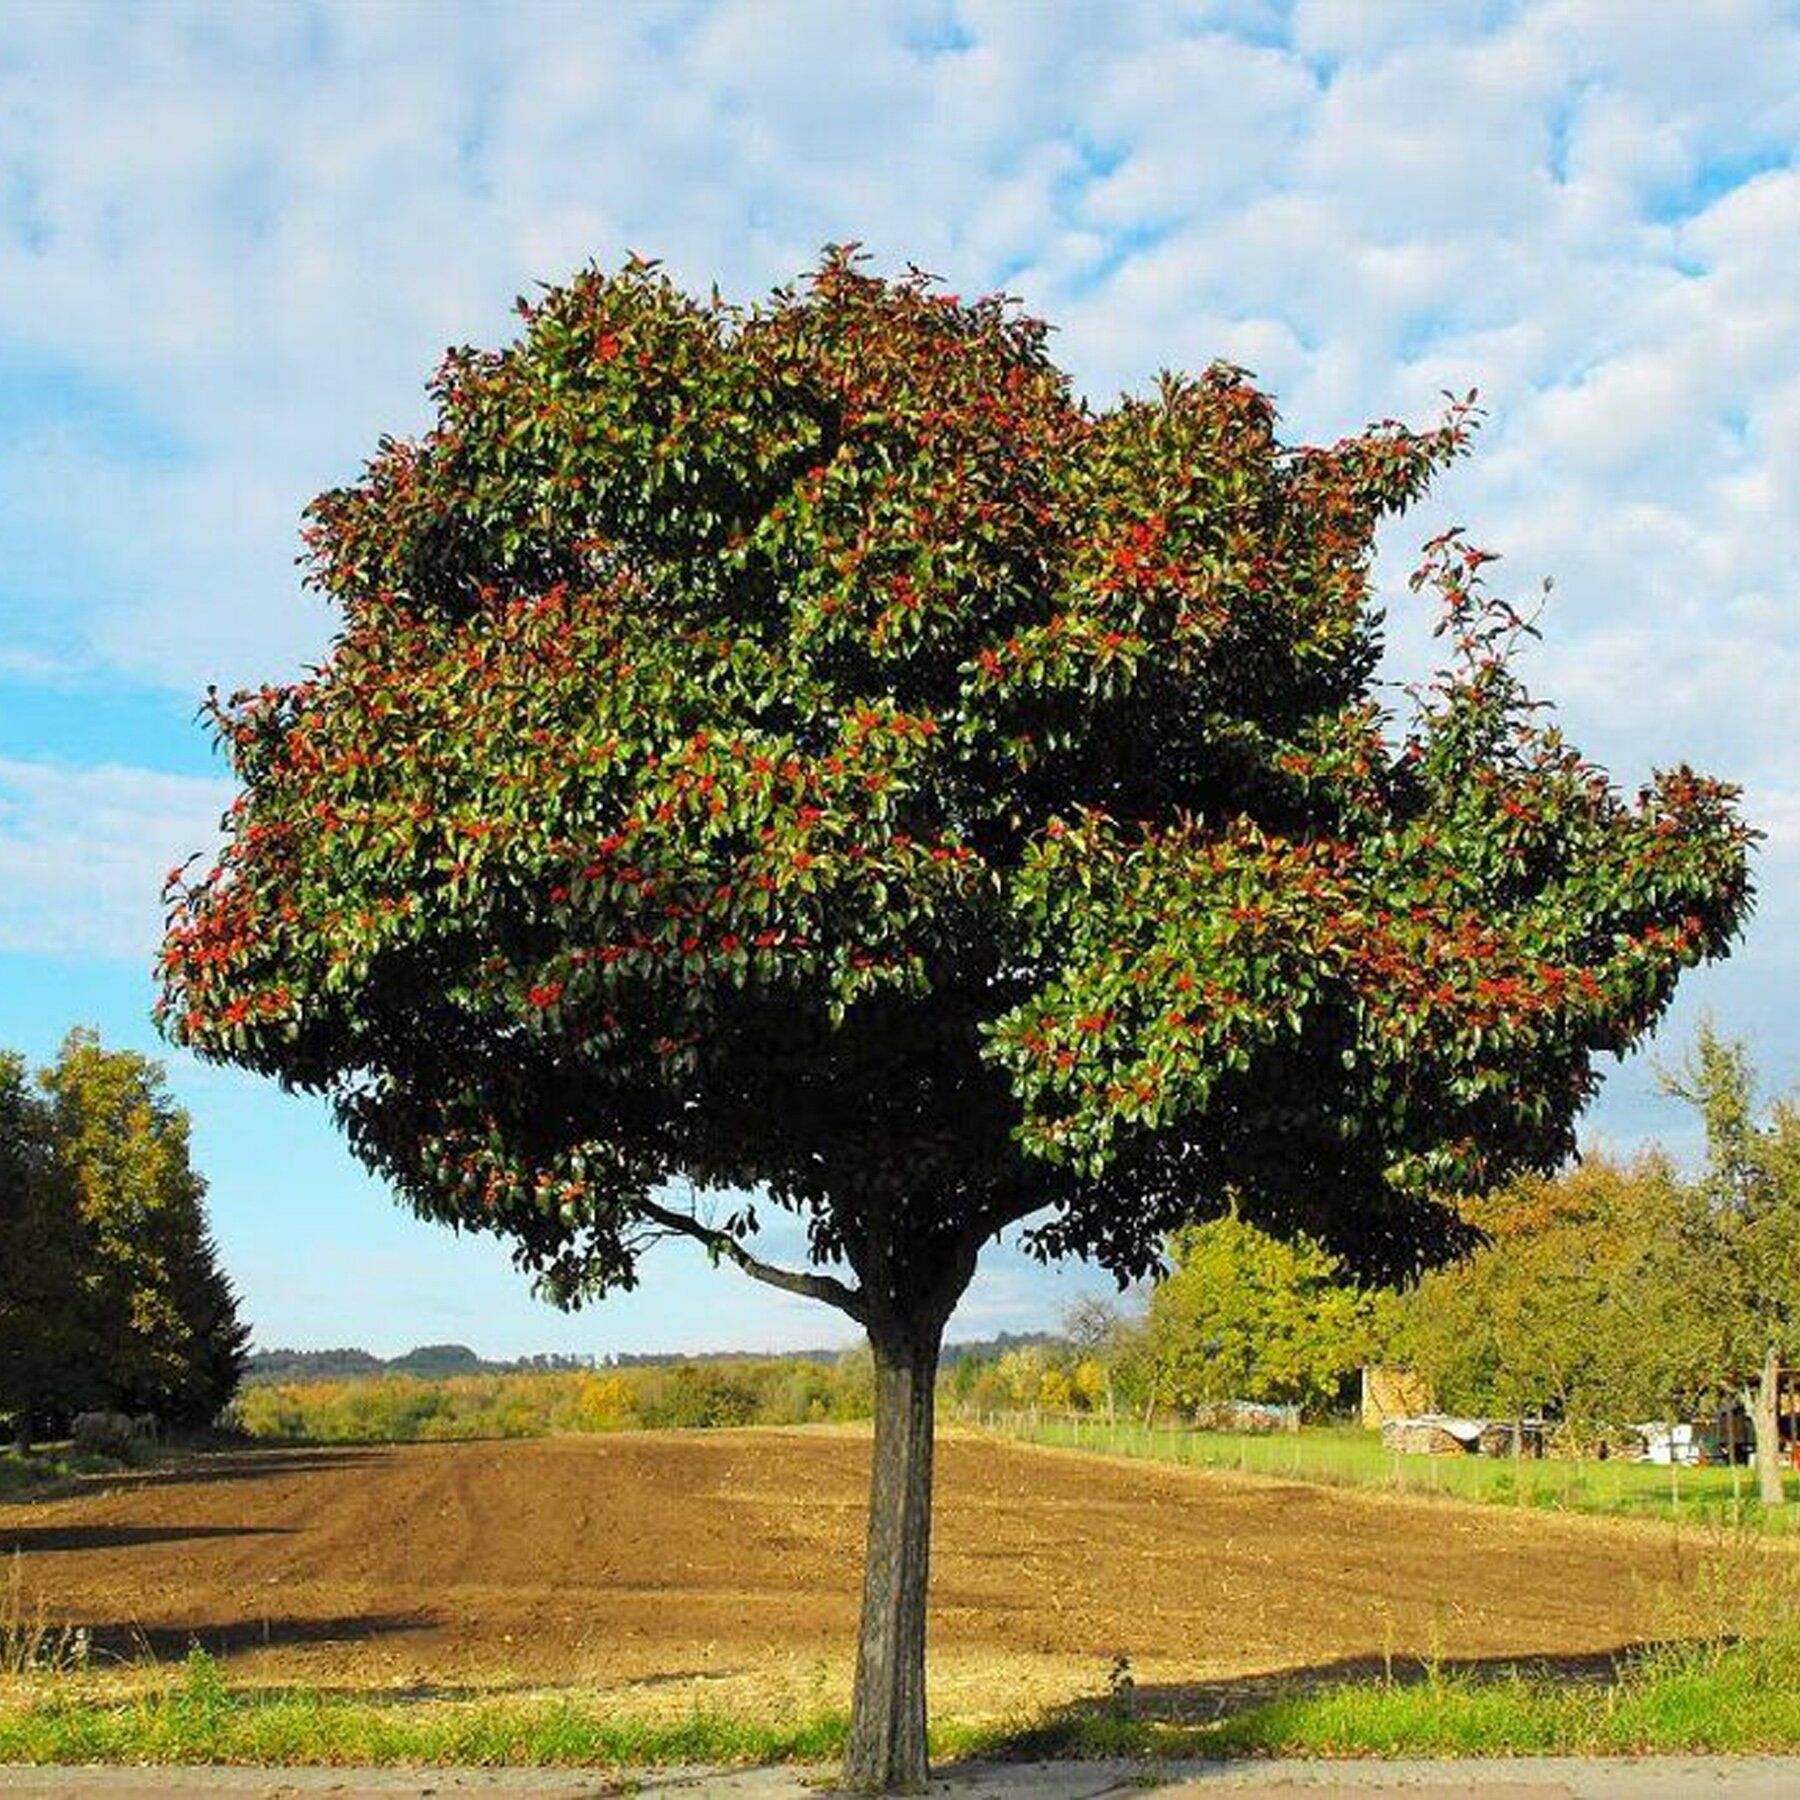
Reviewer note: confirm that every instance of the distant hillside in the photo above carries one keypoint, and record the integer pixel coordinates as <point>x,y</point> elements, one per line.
<point>425,1362</point>
<point>438,1362</point>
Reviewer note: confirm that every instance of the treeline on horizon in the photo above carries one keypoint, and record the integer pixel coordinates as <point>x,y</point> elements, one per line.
<point>697,1395</point>
<point>442,1362</point>
<point>373,1401</point>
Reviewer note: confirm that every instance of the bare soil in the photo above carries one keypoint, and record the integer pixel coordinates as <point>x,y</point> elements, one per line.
<point>722,1568</point>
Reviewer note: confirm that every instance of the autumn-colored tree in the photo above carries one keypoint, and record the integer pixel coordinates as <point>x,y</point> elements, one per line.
<point>806,752</point>
<point>110,1290</point>
<point>1245,1315</point>
<point>1566,1311</point>
<point>1096,1329</point>
<point>1619,1292</point>
<point>1735,1254</point>
<point>162,1332</point>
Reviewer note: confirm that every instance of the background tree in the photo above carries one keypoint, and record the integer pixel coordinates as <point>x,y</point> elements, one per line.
<point>1735,1252</point>
<point>47,1361</point>
<point>1096,1328</point>
<point>805,752</point>
<point>1565,1312</point>
<point>1243,1315</point>
<point>110,1289</point>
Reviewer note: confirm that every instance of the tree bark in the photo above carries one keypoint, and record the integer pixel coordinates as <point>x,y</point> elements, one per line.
<point>1765,1425</point>
<point>887,1716</point>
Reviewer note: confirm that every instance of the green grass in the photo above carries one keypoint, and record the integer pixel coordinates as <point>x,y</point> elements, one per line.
<point>198,1717</point>
<point>1726,1699</point>
<point>1732,1697</point>
<point>1345,1456</point>
<point>47,1470</point>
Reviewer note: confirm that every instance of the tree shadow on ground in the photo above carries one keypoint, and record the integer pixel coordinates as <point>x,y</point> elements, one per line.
<point>197,1468</point>
<point>131,1642</point>
<point>40,1540</point>
<point>1213,1703</point>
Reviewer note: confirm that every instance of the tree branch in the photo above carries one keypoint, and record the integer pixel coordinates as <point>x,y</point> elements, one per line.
<point>793,1281</point>
<point>984,1223</point>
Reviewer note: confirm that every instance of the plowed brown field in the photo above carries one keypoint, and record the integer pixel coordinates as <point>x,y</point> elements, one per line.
<point>667,1567</point>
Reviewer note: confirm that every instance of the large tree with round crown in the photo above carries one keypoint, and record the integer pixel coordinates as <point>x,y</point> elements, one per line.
<point>802,755</point>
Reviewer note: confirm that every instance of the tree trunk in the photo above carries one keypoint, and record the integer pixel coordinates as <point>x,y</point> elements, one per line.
<point>22,1430</point>
<point>1765,1424</point>
<point>887,1716</point>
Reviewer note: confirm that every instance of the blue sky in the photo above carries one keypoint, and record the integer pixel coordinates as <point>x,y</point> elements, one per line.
<point>233,240</point>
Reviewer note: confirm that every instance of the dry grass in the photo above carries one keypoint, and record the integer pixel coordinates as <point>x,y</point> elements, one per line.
<point>30,1645</point>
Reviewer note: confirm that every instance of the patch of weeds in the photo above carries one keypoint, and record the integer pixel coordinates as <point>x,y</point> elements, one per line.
<point>29,1643</point>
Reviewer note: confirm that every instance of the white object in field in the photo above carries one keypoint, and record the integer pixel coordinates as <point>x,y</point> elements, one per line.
<point>1680,1444</point>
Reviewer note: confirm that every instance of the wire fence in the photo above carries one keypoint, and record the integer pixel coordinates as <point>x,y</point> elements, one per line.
<point>1346,1456</point>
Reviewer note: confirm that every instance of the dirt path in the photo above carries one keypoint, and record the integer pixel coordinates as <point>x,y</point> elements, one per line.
<point>663,1566</point>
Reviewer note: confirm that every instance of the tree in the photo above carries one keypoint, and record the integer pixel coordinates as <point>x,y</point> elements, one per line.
<point>159,1319</point>
<point>1736,1250</point>
<point>1243,1315</point>
<point>46,1352</point>
<point>804,752</point>
<point>218,1339</point>
<point>1095,1328</point>
<point>1564,1312</point>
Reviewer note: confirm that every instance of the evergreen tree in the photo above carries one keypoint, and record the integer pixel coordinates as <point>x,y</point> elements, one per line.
<point>47,1360</point>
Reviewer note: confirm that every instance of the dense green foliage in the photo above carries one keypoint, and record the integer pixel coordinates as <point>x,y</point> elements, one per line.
<point>111,1296</point>
<point>1571,1311</point>
<point>1241,1315</point>
<point>46,1338</point>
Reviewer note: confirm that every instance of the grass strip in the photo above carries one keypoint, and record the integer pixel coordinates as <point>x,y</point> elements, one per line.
<point>1736,1697</point>
<point>1349,1457</point>
<point>199,1718</point>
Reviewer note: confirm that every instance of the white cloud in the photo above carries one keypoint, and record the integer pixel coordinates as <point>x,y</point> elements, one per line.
<point>83,851</point>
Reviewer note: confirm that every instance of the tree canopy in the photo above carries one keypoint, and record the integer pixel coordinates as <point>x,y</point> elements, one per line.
<point>46,1340</point>
<point>1572,1310</point>
<point>1619,1292</point>
<point>804,750</point>
<point>1242,1315</point>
